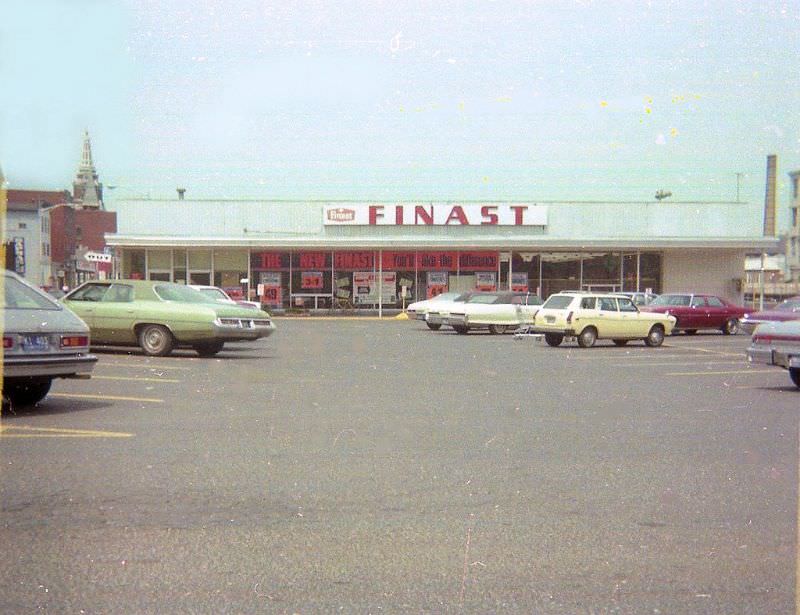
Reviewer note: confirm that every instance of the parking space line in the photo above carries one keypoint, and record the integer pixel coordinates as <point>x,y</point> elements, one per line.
<point>678,364</point>
<point>134,379</point>
<point>51,432</point>
<point>107,397</point>
<point>721,373</point>
<point>707,350</point>
<point>143,366</point>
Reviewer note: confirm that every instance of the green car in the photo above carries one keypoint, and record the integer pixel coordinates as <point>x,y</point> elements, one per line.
<point>160,316</point>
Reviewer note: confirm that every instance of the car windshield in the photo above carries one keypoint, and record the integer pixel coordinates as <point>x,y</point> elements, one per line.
<point>20,296</point>
<point>675,300</point>
<point>557,302</point>
<point>182,294</point>
<point>445,297</point>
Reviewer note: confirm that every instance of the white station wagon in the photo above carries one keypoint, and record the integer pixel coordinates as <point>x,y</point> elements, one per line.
<point>591,316</point>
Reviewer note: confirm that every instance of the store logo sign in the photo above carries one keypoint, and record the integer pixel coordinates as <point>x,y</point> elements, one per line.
<point>341,214</point>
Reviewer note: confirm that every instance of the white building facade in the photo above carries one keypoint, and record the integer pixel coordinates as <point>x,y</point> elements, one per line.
<point>311,253</point>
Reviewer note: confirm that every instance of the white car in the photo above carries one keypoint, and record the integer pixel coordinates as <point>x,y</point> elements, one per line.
<point>499,312</point>
<point>217,294</point>
<point>418,309</point>
<point>588,317</point>
<point>438,312</point>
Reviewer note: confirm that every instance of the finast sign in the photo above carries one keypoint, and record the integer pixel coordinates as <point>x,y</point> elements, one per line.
<point>435,214</point>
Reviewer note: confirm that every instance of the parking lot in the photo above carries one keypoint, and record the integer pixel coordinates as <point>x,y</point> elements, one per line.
<point>370,465</point>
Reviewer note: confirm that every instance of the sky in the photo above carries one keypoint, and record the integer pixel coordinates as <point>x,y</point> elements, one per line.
<point>408,100</point>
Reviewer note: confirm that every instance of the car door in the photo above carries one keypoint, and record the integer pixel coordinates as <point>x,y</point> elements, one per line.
<point>632,322</point>
<point>698,313</point>
<point>84,300</point>
<point>609,319</point>
<point>114,315</point>
<point>717,312</point>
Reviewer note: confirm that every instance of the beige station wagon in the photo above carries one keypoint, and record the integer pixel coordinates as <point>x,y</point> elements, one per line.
<point>591,316</point>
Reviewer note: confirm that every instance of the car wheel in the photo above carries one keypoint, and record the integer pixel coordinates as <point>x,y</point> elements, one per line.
<point>620,342</point>
<point>461,329</point>
<point>498,329</point>
<point>433,326</point>
<point>587,337</point>
<point>156,340</point>
<point>731,327</point>
<point>209,349</point>
<point>794,374</point>
<point>553,339</point>
<point>655,337</point>
<point>691,331</point>
<point>26,393</point>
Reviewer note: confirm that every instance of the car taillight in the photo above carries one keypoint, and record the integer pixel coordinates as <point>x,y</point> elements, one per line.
<point>569,318</point>
<point>8,342</point>
<point>74,341</point>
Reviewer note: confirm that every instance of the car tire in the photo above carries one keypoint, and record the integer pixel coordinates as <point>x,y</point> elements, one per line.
<point>553,339</point>
<point>587,337</point>
<point>655,336</point>
<point>26,393</point>
<point>498,329</point>
<point>461,329</point>
<point>620,342</point>
<point>209,349</point>
<point>156,340</point>
<point>691,332</point>
<point>731,327</point>
<point>433,326</point>
<point>794,374</point>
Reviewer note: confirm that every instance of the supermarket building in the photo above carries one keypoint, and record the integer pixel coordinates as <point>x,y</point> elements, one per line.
<point>313,253</point>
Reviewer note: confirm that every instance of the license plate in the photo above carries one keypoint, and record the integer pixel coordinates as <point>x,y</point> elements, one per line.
<point>550,319</point>
<point>35,343</point>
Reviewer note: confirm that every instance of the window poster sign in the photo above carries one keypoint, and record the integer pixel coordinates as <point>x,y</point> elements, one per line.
<point>486,281</point>
<point>311,280</point>
<point>437,283</point>
<point>365,287</point>
<point>519,281</point>
<point>270,288</point>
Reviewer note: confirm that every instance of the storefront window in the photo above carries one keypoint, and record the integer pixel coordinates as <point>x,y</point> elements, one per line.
<point>134,264</point>
<point>179,266</point>
<point>650,272</point>
<point>230,268</point>
<point>525,272</point>
<point>159,265</point>
<point>560,271</point>
<point>601,272</point>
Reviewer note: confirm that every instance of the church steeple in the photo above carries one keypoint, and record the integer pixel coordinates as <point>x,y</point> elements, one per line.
<point>86,189</point>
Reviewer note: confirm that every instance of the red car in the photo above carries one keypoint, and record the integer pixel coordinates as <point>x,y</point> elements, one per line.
<point>786,310</point>
<point>695,312</point>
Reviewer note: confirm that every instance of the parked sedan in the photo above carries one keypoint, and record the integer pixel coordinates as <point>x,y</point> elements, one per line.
<point>694,312</point>
<point>496,311</point>
<point>42,340</point>
<point>786,310</point>
<point>437,314</point>
<point>159,316</point>
<point>777,343</point>
<point>588,317</point>
<point>418,309</point>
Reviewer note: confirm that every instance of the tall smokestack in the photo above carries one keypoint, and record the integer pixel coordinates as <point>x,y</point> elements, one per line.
<point>769,196</point>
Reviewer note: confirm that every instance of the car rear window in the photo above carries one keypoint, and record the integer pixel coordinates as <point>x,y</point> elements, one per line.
<point>22,297</point>
<point>557,302</point>
<point>176,292</point>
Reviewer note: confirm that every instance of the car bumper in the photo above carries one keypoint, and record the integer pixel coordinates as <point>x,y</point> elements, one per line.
<point>55,367</point>
<point>774,356</point>
<point>244,332</point>
<point>435,319</point>
<point>456,320</point>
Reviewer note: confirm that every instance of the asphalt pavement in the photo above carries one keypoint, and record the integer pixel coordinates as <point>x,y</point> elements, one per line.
<point>368,466</point>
